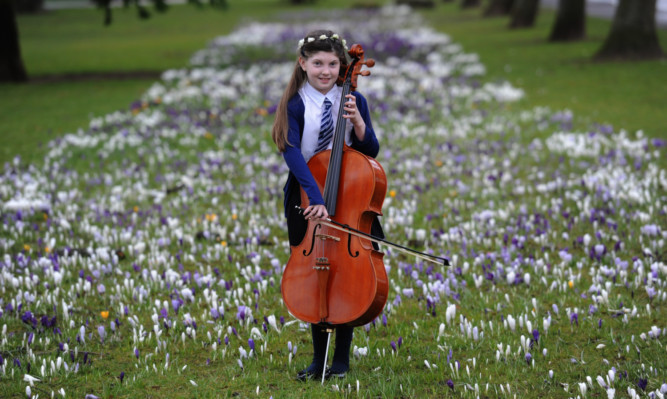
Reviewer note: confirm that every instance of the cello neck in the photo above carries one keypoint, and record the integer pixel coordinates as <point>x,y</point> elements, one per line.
<point>335,160</point>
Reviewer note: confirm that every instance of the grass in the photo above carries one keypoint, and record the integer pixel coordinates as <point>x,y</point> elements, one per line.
<point>75,42</point>
<point>627,95</point>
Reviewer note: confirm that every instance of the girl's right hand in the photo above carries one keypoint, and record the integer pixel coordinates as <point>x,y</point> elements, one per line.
<point>316,212</point>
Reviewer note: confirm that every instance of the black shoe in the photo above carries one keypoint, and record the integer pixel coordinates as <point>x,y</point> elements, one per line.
<point>334,374</point>
<point>308,374</point>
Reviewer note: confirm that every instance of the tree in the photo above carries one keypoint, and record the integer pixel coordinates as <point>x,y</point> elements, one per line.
<point>633,32</point>
<point>11,63</point>
<point>498,7</point>
<point>524,13</point>
<point>570,24</point>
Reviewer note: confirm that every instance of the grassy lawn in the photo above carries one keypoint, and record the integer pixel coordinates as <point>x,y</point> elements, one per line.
<point>627,95</point>
<point>75,42</point>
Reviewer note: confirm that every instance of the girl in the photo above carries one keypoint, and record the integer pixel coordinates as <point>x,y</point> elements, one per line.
<point>310,94</point>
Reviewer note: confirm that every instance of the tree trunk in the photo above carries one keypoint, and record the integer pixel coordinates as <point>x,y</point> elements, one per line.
<point>570,22</point>
<point>11,64</point>
<point>524,13</point>
<point>470,3</point>
<point>498,7</point>
<point>633,32</point>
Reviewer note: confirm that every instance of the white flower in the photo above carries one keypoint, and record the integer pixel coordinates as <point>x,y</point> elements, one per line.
<point>30,379</point>
<point>311,39</point>
<point>300,43</point>
<point>335,36</point>
<point>323,37</point>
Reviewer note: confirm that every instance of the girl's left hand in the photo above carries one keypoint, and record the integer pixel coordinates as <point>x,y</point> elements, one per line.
<point>352,112</point>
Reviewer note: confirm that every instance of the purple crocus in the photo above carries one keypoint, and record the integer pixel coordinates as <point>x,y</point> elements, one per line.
<point>101,332</point>
<point>393,346</point>
<point>136,353</point>
<point>450,384</point>
<point>122,375</point>
<point>241,313</point>
<point>251,344</point>
<point>176,304</point>
<point>574,318</point>
<point>642,383</point>
<point>536,335</point>
<point>529,357</point>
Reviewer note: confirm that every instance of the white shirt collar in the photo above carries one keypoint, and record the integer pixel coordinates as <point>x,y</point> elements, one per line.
<point>318,97</point>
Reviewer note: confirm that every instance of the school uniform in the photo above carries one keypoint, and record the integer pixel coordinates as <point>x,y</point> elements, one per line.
<point>304,112</point>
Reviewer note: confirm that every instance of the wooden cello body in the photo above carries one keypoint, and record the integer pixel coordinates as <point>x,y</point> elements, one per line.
<point>332,277</point>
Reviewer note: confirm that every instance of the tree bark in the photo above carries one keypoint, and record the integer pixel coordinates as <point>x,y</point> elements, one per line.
<point>524,13</point>
<point>498,7</point>
<point>11,64</point>
<point>470,3</point>
<point>633,33</point>
<point>570,24</point>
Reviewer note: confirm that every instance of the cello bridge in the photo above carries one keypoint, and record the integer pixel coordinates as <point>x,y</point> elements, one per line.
<point>321,264</point>
<point>325,237</point>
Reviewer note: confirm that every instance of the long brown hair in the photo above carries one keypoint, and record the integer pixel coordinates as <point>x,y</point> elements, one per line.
<point>332,44</point>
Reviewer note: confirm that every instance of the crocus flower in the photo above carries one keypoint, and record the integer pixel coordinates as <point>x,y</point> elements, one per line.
<point>574,318</point>
<point>642,383</point>
<point>450,384</point>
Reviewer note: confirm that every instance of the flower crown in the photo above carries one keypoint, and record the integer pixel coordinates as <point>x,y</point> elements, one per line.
<point>322,37</point>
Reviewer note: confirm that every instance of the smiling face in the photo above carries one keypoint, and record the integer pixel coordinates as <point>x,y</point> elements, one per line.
<point>321,69</point>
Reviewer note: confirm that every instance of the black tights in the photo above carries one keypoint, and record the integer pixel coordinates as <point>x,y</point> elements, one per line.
<point>341,357</point>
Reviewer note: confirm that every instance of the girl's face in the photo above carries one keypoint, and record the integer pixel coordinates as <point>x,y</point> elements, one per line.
<point>322,70</point>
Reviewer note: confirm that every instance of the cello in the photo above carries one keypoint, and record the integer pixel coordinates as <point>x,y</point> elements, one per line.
<point>334,277</point>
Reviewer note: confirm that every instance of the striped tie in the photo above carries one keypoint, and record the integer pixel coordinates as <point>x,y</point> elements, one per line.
<point>326,127</point>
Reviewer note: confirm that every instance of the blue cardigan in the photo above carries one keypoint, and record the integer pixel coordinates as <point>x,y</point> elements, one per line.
<point>299,172</point>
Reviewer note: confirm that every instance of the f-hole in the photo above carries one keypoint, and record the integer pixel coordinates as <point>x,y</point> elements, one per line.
<point>312,243</point>
<point>349,248</point>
